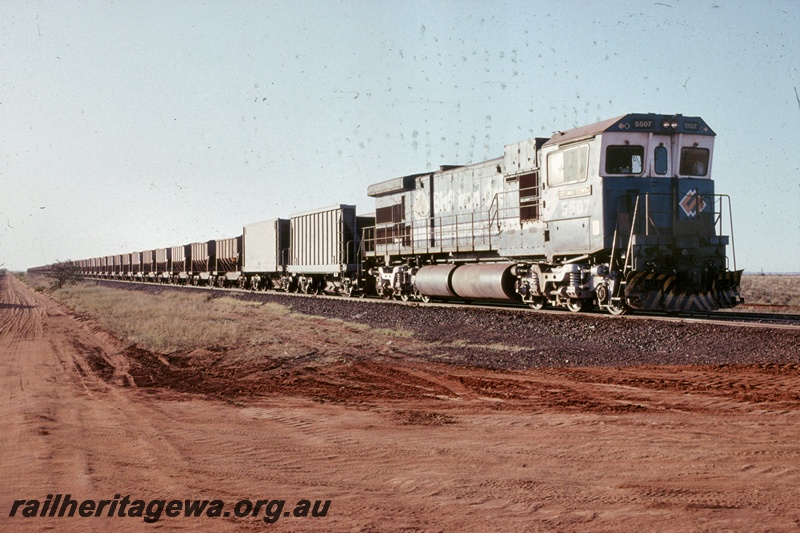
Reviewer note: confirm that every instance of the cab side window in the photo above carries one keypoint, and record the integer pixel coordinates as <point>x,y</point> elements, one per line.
<point>568,166</point>
<point>624,159</point>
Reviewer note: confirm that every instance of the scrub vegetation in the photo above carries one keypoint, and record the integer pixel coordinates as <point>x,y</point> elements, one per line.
<point>182,321</point>
<point>771,290</point>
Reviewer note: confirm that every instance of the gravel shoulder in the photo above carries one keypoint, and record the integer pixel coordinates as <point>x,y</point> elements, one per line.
<point>519,339</point>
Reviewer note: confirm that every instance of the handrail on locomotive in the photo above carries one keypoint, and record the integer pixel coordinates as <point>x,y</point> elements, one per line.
<point>453,231</point>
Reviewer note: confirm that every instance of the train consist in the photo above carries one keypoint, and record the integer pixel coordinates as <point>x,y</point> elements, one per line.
<point>621,215</point>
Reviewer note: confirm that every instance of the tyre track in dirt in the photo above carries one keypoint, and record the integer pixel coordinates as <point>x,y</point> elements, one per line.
<point>398,440</point>
<point>69,431</point>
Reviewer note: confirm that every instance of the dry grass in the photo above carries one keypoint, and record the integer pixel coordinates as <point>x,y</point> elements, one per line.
<point>37,282</point>
<point>163,323</point>
<point>183,321</point>
<point>771,290</point>
<point>489,347</point>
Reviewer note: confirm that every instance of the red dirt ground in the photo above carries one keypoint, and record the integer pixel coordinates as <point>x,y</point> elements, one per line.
<point>395,442</point>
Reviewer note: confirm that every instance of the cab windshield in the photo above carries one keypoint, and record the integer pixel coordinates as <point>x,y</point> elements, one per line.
<point>624,159</point>
<point>694,161</point>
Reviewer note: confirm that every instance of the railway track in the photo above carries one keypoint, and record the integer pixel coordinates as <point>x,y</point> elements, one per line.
<point>780,320</point>
<point>516,337</point>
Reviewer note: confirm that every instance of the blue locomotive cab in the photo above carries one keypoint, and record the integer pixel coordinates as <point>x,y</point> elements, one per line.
<point>664,223</point>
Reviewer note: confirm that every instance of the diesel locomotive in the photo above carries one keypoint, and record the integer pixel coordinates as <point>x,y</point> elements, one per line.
<point>621,214</point>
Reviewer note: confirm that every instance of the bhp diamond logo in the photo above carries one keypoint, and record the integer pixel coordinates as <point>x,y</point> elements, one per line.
<point>692,203</point>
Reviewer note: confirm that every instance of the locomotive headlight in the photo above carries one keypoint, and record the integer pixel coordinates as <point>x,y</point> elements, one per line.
<point>665,125</point>
<point>674,124</point>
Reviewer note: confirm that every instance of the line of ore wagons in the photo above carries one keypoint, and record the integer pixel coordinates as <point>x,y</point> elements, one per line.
<point>282,253</point>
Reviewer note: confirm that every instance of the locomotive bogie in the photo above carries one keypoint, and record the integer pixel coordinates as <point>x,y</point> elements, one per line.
<point>394,282</point>
<point>570,285</point>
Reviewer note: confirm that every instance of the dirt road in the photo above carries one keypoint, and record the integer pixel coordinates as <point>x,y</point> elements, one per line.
<point>393,443</point>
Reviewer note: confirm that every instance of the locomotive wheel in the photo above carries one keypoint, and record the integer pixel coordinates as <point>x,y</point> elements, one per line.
<point>537,304</point>
<point>356,294</point>
<point>425,299</point>
<point>404,296</point>
<point>351,291</point>
<point>576,305</point>
<point>618,308</point>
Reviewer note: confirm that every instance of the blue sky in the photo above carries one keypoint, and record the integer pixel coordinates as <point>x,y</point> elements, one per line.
<point>134,125</point>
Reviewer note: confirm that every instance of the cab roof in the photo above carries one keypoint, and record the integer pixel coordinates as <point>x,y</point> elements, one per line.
<point>643,122</point>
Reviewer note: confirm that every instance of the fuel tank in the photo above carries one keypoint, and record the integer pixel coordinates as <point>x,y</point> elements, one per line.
<point>434,281</point>
<point>493,281</point>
